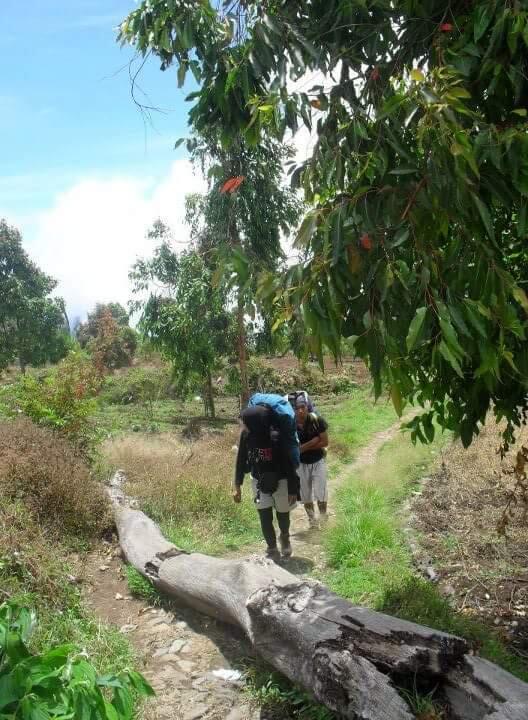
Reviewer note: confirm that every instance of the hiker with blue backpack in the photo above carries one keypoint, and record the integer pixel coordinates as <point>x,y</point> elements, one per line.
<point>312,430</point>
<point>268,449</point>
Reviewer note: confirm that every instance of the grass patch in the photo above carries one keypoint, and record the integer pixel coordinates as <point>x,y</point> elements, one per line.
<point>365,547</point>
<point>370,562</point>
<point>353,420</point>
<point>273,691</point>
<point>34,572</point>
<point>186,488</point>
<point>162,416</point>
<point>140,586</point>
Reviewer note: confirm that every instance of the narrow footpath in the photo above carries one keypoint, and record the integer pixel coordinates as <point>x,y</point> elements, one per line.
<point>192,661</point>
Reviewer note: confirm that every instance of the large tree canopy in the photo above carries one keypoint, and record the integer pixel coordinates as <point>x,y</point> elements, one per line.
<point>33,326</point>
<point>416,240</point>
<point>183,316</point>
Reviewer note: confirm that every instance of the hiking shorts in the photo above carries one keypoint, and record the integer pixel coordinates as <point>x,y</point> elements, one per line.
<point>279,499</point>
<point>314,482</point>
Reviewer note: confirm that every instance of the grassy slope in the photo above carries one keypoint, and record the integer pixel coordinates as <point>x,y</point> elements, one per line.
<point>370,562</point>
<point>35,572</point>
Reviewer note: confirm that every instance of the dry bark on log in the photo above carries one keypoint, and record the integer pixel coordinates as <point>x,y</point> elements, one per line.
<point>345,655</point>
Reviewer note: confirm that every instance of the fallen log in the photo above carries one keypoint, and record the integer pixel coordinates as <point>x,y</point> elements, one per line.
<point>351,659</point>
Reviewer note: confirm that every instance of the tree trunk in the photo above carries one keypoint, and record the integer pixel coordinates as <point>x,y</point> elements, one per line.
<point>210,410</point>
<point>242,350</point>
<point>22,365</point>
<point>350,658</point>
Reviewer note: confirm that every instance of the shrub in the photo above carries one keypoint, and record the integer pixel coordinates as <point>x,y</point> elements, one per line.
<point>114,345</point>
<point>63,398</point>
<point>187,487</point>
<point>59,683</point>
<point>141,386</point>
<point>43,471</point>
<point>262,377</point>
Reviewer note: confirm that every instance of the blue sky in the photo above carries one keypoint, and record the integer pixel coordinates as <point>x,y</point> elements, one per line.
<point>80,172</point>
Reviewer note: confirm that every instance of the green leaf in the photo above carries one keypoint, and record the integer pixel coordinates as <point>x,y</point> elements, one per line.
<point>450,358</point>
<point>485,216</point>
<point>401,235</point>
<point>140,684</point>
<point>451,338</point>
<point>521,297</point>
<point>10,691</point>
<point>459,92</point>
<point>307,229</point>
<point>403,170</point>
<point>397,399</point>
<point>417,75</point>
<point>415,327</point>
<point>522,112</point>
<point>337,234</point>
<point>481,23</point>
<point>182,72</point>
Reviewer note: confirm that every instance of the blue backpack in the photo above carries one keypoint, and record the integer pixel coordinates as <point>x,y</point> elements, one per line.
<point>285,418</point>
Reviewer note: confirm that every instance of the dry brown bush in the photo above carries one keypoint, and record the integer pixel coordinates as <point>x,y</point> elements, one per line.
<point>43,471</point>
<point>174,477</point>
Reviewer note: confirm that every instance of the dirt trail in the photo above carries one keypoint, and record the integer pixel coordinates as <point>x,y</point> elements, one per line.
<point>187,657</point>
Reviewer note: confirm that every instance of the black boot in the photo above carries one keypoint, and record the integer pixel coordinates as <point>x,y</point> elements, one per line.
<point>285,545</point>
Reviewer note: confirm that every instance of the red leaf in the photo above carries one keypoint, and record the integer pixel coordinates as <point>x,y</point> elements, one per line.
<point>446,27</point>
<point>316,104</point>
<point>365,241</point>
<point>374,75</point>
<point>232,184</point>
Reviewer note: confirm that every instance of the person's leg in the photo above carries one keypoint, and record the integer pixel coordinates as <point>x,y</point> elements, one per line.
<point>306,492</point>
<point>282,508</point>
<point>268,531</point>
<point>320,487</point>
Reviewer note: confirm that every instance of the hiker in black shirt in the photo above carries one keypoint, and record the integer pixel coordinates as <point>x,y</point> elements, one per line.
<point>275,483</point>
<point>312,430</point>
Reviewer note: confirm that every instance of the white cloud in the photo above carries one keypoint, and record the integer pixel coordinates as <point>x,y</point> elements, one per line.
<point>97,228</point>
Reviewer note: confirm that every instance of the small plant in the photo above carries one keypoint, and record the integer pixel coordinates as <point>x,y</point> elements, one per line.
<point>272,690</point>
<point>63,399</point>
<point>60,683</point>
<point>140,586</point>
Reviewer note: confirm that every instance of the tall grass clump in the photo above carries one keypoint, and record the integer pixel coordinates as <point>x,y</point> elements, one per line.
<point>186,487</point>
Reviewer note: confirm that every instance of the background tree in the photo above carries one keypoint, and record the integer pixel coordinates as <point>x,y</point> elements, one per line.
<point>88,330</point>
<point>238,224</point>
<point>416,241</point>
<point>184,317</point>
<point>107,335</point>
<point>33,326</point>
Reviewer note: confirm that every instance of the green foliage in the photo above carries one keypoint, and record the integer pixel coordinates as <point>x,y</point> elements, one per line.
<point>141,385</point>
<point>370,560</point>
<point>140,586</point>
<point>63,399</point>
<point>262,377</point>
<point>59,683</point>
<point>415,244</point>
<point>33,326</point>
<point>272,690</point>
<point>89,330</point>
<point>187,321</point>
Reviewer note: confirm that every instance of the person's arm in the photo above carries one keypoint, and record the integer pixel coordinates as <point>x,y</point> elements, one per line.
<point>320,441</point>
<point>241,467</point>
<point>316,443</point>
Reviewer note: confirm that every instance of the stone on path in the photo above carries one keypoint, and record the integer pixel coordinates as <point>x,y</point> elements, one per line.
<point>196,712</point>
